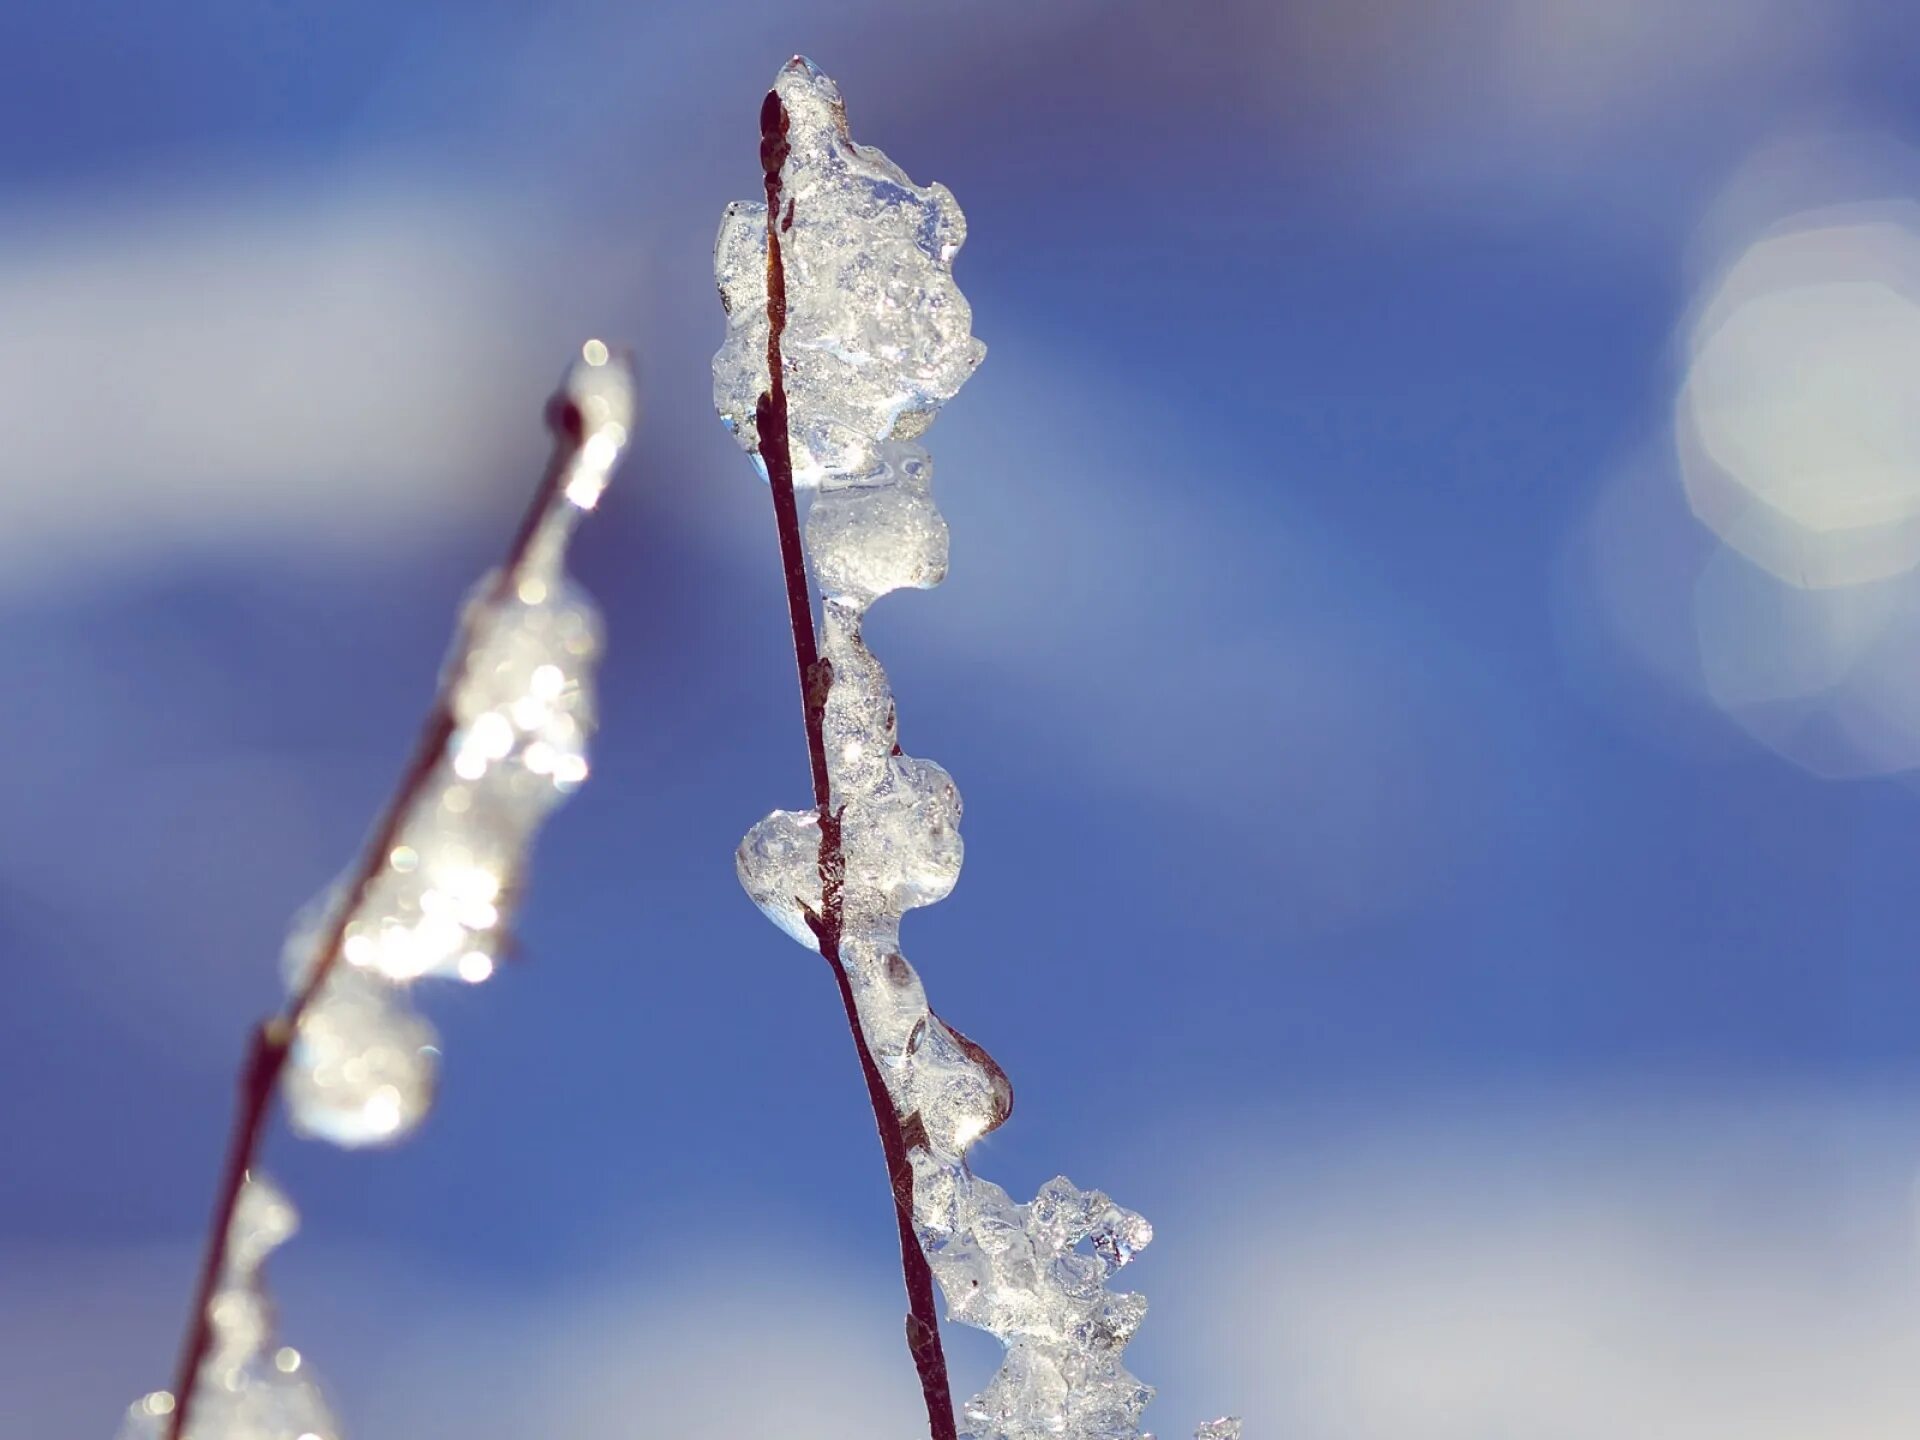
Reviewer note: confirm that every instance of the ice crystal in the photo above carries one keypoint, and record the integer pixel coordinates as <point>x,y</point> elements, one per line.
<point>247,1389</point>
<point>877,334</point>
<point>876,338</point>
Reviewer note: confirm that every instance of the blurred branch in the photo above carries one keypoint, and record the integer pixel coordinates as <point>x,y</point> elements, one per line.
<point>272,1040</point>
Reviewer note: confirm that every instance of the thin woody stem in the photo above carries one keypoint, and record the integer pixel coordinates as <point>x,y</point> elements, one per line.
<point>272,1039</point>
<point>816,677</point>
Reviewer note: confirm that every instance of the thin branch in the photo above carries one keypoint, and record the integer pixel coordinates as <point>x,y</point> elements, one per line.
<point>816,677</point>
<point>272,1039</point>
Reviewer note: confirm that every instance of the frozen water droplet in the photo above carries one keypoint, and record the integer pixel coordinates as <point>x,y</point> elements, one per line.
<point>779,867</point>
<point>260,1403</point>
<point>1113,1321</point>
<point>892,1003</point>
<point>239,1394</point>
<point>525,701</point>
<point>1028,1388</point>
<point>1119,1234</point>
<point>960,1093</point>
<point>264,1219</point>
<point>442,894</point>
<point>1061,1214</point>
<point>148,1417</point>
<point>1227,1427</point>
<point>361,1070</point>
<point>857,724</point>
<point>740,271</point>
<point>903,839</point>
<point>936,1196</point>
<point>241,1324</point>
<point>880,535</point>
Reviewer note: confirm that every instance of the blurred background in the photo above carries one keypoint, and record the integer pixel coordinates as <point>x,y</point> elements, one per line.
<point>1432,658</point>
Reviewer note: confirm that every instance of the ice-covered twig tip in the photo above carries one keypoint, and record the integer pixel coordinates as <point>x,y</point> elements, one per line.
<point>431,894</point>
<point>845,335</point>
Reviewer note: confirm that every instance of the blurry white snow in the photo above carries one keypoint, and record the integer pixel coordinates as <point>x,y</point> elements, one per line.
<point>1687,1265</point>
<point>1674,1265</point>
<point>320,357</point>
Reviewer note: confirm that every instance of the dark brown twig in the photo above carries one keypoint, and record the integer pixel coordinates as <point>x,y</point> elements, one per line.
<point>816,676</point>
<point>272,1039</point>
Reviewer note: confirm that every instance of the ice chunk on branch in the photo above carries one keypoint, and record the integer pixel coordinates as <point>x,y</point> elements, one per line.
<point>845,335</point>
<point>246,1387</point>
<point>875,335</point>
<point>430,895</point>
<point>434,893</point>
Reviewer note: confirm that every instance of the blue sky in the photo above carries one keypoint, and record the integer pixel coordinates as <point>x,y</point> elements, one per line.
<point>1312,792</point>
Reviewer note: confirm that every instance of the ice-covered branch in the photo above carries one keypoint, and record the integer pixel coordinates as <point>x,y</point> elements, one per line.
<point>430,895</point>
<point>846,333</point>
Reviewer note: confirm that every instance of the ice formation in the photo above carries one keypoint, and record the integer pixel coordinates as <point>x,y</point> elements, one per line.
<point>247,1389</point>
<point>435,902</point>
<point>876,337</point>
<point>431,896</point>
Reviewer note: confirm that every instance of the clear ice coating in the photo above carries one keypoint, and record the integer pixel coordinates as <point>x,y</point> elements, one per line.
<point>523,706</point>
<point>779,864</point>
<point>879,533</point>
<point>247,1388</point>
<point>519,687</point>
<point>361,1071</point>
<point>525,701</point>
<point>877,336</point>
<point>517,692</point>
<point>876,340</point>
